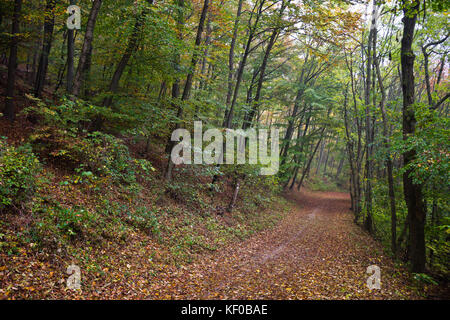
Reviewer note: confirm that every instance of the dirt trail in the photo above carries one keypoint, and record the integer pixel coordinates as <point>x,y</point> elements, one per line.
<point>316,252</point>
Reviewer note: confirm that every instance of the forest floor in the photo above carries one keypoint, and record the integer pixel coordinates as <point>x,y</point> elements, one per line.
<point>316,252</point>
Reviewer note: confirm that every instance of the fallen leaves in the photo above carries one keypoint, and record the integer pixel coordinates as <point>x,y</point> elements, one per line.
<point>316,252</point>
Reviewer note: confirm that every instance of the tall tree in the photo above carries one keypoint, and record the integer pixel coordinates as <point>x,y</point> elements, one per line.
<point>70,56</point>
<point>130,49</point>
<point>231,54</point>
<point>248,118</point>
<point>412,190</point>
<point>86,50</point>
<point>389,164</point>
<point>188,83</point>
<point>49,24</point>
<point>252,29</point>
<point>9,110</point>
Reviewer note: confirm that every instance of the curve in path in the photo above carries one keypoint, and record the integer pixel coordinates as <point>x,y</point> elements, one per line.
<point>316,252</point>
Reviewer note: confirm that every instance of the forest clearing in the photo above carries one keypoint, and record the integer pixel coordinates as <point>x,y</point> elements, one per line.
<point>224,150</point>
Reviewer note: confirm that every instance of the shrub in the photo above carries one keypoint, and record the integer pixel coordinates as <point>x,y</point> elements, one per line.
<point>63,136</point>
<point>102,154</point>
<point>145,219</point>
<point>19,169</point>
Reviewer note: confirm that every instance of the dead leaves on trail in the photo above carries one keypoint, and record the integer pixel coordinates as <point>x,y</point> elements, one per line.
<point>316,252</point>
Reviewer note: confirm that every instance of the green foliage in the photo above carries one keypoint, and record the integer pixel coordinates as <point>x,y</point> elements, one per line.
<point>77,116</point>
<point>19,170</point>
<point>187,194</point>
<point>58,225</point>
<point>63,138</point>
<point>146,219</point>
<point>432,164</point>
<point>71,221</point>
<point>317,183</point>
<point>424,278</point>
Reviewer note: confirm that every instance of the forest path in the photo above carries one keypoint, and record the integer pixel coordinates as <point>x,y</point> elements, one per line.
<point>316,252</point>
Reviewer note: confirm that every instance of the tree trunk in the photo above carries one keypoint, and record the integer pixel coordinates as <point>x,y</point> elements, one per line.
<point>368,221</point>
<point>86,51</point>
<point>300,183</point>
<point>235,195</point>
<point>231,56</point>
<point>248,118</point>
<point>188,84</point>
<point>389,165</point>
<point>339,168</point>
<point>412,191</point>
<point>70,57</point>
<point>9,111</point>
<point>49,25</point>
<point>176,61</point>
<point>319,160</point>
<point>301,147</point>
<point>229,116</point>
<point>131,48</point>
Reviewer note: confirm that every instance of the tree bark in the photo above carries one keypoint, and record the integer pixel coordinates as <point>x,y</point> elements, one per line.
<point>70,57</point>
<point>188,84</point>
<point>412,191</point>
<point>229,116</point>
<point>308,166</point>
<point>248,118</point>
<point>389,165</point>
<point>176,61</point>
<point>9,111</point>
<point>231,56</point>
<point>86,51</point>
<point>49,25</point>
<point>131,48</point>
<point>368,221</point>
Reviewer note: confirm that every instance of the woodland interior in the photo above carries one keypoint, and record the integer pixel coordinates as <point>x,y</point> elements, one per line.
<point>92,90</point>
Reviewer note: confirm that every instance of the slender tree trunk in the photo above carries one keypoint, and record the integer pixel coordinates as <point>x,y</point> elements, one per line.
<point>308,166</point>
<point>319,160</point>
<point>235,195</point>
<point>229,117</point>
<point>302,145</point>
<point>248,118</point>
<point>70,57</point>
<point>368,221</point>
<point>326,161</point>
<point>9,110</point>
<point>188,84</point>
<point>176,60</point>
<point>389,165</point>
<point>131,48</point>
<point>49,25</point>
<point>231,56</point>
<point>86,51</point>
<point>195,56</point>
<point>339,169</point>
<point>290,127</point>
<point>33,72</point>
